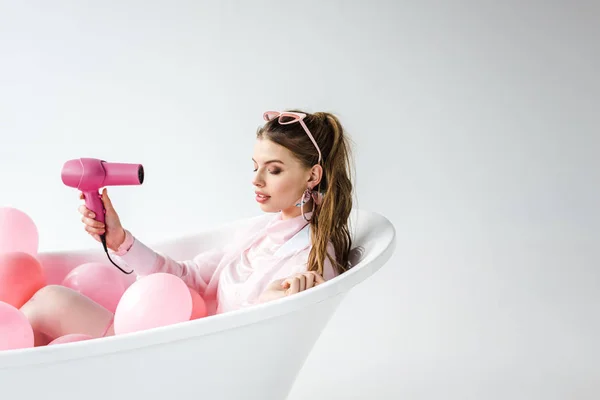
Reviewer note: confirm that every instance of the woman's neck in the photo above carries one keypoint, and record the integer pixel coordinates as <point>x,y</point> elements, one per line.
<point>294,211</point>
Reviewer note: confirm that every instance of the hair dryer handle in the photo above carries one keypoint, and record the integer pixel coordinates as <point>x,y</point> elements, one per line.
<point>93,201</point>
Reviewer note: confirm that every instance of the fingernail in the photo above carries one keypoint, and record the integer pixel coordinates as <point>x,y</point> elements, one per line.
<point>91,215</point>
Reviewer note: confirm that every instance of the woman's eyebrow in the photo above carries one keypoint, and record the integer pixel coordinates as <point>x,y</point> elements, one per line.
<point>271,161</point>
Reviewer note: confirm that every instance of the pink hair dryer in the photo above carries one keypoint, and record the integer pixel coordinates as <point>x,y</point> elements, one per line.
<point>91,174</point>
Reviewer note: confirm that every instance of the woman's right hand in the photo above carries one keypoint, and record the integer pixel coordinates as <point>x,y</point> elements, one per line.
<point>115,234</point>
<point>290,285</point>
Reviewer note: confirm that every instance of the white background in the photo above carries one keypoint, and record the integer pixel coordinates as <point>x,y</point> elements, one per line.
<point>476,132</point>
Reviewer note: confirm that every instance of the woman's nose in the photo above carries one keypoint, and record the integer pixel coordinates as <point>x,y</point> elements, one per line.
<point>257,180</point>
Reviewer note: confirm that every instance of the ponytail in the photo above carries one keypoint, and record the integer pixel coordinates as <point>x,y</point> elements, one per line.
<point>330,220</point>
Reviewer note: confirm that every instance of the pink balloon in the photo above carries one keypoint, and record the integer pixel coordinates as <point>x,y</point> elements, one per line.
<point>17,232</point>
<point>100,282</point>
<point>152,301</point>
<point>15,330</point>
<point>56,267</point>
<point>21,275</point>
<point>128,279</point>
<point>198,305</point>
<point>70,338</point>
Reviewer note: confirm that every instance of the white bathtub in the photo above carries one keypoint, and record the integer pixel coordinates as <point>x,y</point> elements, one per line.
<point>254,353</point>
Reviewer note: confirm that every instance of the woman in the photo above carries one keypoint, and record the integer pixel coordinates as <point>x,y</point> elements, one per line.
<point>302,182</point>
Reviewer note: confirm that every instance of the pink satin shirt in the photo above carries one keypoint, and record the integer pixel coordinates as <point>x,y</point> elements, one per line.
<point>234,276</point>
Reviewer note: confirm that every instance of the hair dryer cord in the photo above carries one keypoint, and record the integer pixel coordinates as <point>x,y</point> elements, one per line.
<point>103,238</point>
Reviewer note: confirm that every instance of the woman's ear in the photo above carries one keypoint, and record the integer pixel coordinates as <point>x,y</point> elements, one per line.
<point>316,174</point>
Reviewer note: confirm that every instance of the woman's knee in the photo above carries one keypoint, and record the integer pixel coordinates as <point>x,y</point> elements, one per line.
<point>48,291</point>
<point>50,296</point>
<point>57,310</point>
<point>43,301</point>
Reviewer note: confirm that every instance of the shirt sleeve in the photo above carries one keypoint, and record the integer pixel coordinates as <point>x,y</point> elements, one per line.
<point>197,272</point>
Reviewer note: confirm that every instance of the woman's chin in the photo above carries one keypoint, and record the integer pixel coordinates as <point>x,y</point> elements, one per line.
<point>268,208</point>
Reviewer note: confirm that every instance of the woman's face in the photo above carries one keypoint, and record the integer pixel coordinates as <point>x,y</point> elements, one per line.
<point>279,178</point>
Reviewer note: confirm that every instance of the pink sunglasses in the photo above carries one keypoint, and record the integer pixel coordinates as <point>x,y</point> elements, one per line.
<point>286,118</point>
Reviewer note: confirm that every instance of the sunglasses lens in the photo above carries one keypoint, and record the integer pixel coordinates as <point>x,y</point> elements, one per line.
<point>288,118</point>
<point>270,115</point>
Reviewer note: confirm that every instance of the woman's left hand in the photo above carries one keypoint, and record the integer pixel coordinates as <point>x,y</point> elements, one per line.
<point>293,284</point>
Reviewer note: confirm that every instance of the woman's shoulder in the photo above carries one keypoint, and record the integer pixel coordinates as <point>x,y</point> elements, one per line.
<point>328,271</point>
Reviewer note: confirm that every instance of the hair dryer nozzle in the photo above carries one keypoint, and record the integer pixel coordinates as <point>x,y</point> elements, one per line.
<point>121,174</point>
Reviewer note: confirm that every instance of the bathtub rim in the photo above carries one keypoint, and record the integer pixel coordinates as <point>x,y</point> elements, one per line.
<point>212,324</point>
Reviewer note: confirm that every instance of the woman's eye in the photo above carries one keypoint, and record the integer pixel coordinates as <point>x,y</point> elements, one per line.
<point>275,171</point>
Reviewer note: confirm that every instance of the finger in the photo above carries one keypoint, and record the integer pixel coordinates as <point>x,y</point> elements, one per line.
<point>318,278</point>
<point>92,223</point>
<point>276,284</point>
<point>95,236</point>
<point>294,286</point>
<point>97,231</point>
<point>83,210</point>
<point>106,200</point>
<point>310,280</point>
<point>302,279</point>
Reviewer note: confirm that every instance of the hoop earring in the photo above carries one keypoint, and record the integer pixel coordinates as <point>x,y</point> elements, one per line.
<point>312,212</point>
<point>304,199</point>
<point>306,196</point>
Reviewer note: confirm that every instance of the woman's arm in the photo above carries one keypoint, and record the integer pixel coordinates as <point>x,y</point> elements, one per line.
<point>197,273</point>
